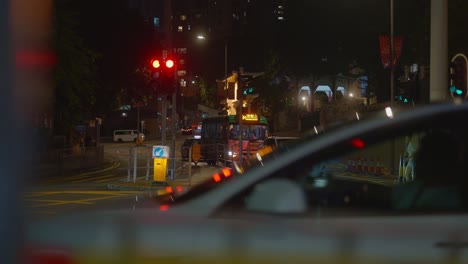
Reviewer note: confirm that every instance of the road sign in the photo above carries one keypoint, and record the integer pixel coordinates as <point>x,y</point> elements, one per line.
<point>160,152</point>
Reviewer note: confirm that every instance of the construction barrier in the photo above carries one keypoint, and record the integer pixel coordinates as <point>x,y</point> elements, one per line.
<point>364,165</point>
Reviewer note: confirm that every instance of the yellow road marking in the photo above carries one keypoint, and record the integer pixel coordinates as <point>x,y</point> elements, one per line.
<point>107,176</point>
<point>114,193</point>
<point>87,201</point>
<point>42,212</point>
<point>78,176</point>
<point>55,202</point>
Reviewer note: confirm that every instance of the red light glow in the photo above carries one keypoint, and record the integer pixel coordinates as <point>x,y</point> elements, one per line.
<point>156,64</point>
<point>164,207</point>
<point>169,189</point>
<point>216,177</point>
<point>358,143</point>
<point>35,58</point>
<point>179,189</point>
<point>169,63</point>
<point>227,172</point>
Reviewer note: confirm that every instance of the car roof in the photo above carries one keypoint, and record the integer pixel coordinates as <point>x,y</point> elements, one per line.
<point>308,144</point>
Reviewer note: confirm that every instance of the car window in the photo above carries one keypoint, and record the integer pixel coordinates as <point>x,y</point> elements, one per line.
<point>419,171</point>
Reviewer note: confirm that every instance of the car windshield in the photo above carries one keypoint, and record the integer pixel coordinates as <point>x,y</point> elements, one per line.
<point>243,131</point>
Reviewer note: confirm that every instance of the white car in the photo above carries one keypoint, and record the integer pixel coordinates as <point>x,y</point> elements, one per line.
<point>127,135</point>
<point>334,198</point>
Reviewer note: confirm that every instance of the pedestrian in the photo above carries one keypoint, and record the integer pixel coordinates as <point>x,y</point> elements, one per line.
<point>412,144</point>
<point>87,141</point>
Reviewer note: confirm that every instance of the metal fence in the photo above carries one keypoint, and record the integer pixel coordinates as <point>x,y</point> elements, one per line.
<point>141,165</point>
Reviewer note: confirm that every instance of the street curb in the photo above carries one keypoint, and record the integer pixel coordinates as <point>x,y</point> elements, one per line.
<point>117,187</point>
<point>114,165</point>
<point>140,187</point>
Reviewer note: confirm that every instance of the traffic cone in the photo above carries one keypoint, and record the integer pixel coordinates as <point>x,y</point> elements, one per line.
<point>364,166</point>
<point>359,165</point>
<point>353,165</point>
<point>378,167</point>
<point>401,169</point>
<point>350,164</point>
<point>371,168</point>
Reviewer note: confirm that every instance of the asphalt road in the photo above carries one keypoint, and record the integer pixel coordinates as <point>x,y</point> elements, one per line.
<point>55,196</point>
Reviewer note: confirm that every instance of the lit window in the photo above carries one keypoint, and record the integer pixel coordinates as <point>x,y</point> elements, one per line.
<point>180,29</point>
<point>182,50</point>
<point>188,27</point>
<point>183,17</point>
<point>183,83</point>
<point>280,7</point>
<point>182,73</point>
<point>156,21</point>
<point>280,18</point>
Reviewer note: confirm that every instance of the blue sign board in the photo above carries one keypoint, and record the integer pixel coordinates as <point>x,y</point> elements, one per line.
<point>160,152</point>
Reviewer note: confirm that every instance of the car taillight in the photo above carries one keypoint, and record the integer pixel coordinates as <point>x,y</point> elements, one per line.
<point>164,207</point>
<point>216,177</point>
<point>46,255</point>
<point>227,172</point>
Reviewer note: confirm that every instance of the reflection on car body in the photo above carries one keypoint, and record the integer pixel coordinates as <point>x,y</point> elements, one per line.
<point>306,203</point>
<point>185,147</point>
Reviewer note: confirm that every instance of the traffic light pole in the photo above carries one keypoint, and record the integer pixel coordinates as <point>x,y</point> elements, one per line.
<point>174,108</point>
<point>241,101</point>
<point>163,119</point>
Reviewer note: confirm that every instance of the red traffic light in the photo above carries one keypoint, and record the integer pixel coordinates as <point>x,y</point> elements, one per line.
<point>156,64</point>
<point>169,63</point>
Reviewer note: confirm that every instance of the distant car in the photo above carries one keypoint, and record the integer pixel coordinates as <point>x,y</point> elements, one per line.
<point>127,135</point>
<point>184,149</point>
<point>187,130</point>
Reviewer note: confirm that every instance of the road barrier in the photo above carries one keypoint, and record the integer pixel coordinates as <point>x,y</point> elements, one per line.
<point>365,165</point>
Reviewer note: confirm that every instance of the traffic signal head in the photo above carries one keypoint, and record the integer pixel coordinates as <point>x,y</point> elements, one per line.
<point>169,64</point>
<point>249,90</point>
<point>156,64</point>
<point>458,77</point>
<point>163,72</point>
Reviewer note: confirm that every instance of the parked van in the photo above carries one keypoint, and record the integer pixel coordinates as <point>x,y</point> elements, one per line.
<point>127,135</point>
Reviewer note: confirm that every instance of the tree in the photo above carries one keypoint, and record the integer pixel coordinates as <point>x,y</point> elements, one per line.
<point>126,42</point>
<point>273,90</point>
<point>207,94</point>
<point>75,74</point>
<point>139,89</point>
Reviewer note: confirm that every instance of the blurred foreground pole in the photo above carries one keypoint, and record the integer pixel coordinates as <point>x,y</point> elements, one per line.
<point>9,189</point>
<point>25,67</point>
<point>392,53</point>
<point>439,84</point>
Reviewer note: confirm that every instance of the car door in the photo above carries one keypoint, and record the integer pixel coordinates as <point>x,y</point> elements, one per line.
<point>356,204</point>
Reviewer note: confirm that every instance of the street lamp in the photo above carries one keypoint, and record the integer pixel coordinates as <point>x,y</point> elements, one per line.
<point>201,37</point>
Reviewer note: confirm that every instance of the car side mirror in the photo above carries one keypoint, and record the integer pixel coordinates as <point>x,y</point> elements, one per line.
<point>277,196</point>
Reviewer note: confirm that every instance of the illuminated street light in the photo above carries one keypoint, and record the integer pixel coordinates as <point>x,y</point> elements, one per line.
<point>389,112</point>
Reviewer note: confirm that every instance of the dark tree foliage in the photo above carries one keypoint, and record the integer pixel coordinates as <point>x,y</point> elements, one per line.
<point>75,74</point>
<point>126,43</point>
